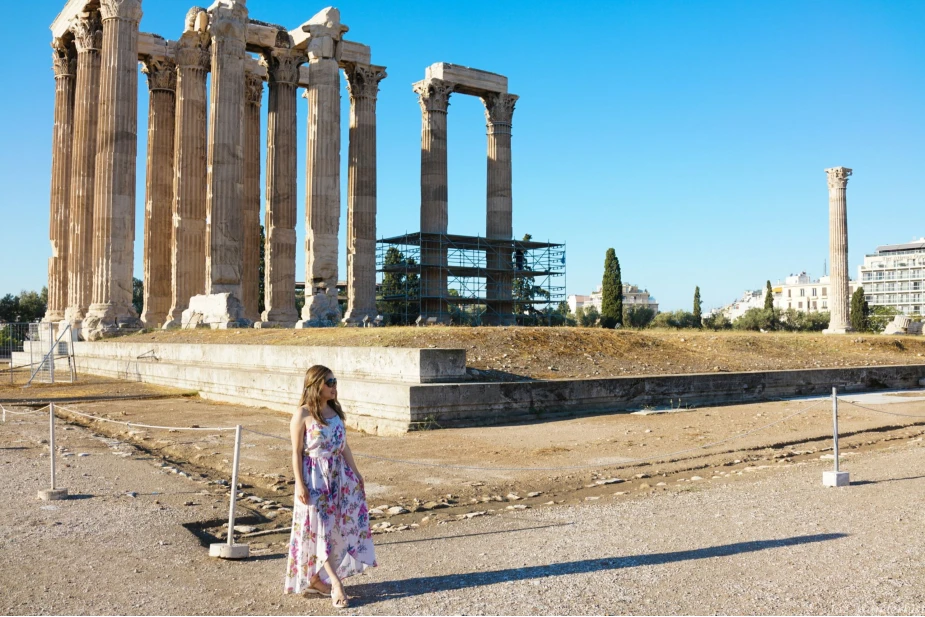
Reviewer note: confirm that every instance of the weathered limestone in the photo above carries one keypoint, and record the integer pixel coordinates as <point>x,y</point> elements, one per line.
<point>434,98</point>
<point>114,198</point>
<point>251,244</point>
<point>188,233</point>
<point>322,184</point>
<point>65,67</point>
<point>282,64</point>
<point>225,197</point>
<point>499,111</point>
<point>363,85</point>
<point>88,38</point>
<point>838,250</point>
<point>162,87</point>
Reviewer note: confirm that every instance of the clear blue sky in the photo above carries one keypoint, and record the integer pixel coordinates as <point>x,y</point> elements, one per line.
<point>690,136</point>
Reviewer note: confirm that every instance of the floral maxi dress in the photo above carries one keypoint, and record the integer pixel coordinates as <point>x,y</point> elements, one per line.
<point>335,523</point>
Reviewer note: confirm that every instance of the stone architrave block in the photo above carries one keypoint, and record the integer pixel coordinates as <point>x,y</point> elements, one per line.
<point>218,311</point>
<point>467,80</point>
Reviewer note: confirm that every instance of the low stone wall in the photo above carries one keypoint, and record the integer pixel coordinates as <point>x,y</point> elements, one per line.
<point>390,391</point>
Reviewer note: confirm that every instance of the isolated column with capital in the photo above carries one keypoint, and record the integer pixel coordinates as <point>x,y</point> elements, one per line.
<point>838,250</point>
<point>250,283</point>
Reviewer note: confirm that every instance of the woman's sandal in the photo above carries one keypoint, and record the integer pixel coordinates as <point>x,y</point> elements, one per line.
<point>312,590</point>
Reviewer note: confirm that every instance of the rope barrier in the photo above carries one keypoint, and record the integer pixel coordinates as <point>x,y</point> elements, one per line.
<point>574,467</point>
<point>889,413</point>
<point>149,426</point>
<point>22,413</point>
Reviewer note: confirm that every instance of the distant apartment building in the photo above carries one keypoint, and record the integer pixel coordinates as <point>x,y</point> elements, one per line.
<point>632,297</point>
<point>800,292</point>
<point>749,300</point>
<point>895,276</point>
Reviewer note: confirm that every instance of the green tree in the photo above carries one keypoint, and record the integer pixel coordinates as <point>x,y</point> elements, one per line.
<point>698,305</point>
<point>138,295</point>
<point>400,292</point>
<point>860,311</point>
<point>717,321</point>
<point>32,305</point>
<point>9,308</point>
<point>756,319</point>
<point>611,292</point>
<point>637,316</point>
<point>527,294</point>
<point>879,317</point>
<point>768,297</point>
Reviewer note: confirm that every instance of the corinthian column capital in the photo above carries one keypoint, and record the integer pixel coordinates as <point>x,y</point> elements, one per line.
<point>499,107</point>
<point>363,80</point>
<point>838,177</point>
<point>433,94</point>
<point>88,32</point>
<point>161,72</point>
<point>129,10</point>
<point>253,88</point>
<point>193,51</point>
<point>283,64</point>
<point>64,59</point>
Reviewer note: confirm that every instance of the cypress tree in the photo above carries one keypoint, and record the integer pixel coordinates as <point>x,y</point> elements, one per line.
<point>611,292</point>
<point>768,297</point>
<point>698,319</point>
<point>860,312</point>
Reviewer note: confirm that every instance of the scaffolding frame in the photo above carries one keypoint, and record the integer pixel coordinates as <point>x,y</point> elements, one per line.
<point>456,279</point>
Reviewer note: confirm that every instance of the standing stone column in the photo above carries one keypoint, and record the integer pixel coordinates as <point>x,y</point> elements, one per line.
<point>162,88</point>
<point>65,67</point>
<point>88,38</point>
<point>188,233</point>
<point>322,182</point>
<point>499,110</point>
<point>838,250</point>
<point>250,284</point>
<point>363,86</point>
<point>282,177</point>
<point>434,98</point>
<point>225,198</point>
<point>114,199</point>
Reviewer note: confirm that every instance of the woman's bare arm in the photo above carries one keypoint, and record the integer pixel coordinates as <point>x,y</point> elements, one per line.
<point>297,436</point>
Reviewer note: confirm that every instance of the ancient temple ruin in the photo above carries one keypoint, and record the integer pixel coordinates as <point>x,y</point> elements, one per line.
<point>202,202</point>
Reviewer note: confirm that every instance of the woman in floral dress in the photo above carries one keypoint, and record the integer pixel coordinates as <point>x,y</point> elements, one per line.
<point>330,537</point>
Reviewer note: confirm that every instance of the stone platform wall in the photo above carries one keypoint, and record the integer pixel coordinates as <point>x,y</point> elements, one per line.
<point>390,391</point>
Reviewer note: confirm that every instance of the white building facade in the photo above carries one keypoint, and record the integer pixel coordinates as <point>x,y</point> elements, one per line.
<point>801,293</point>
<point>895,276</point>
<point>632,297</point>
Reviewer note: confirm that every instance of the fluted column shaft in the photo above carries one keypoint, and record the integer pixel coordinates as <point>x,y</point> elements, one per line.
<point>282,177</point>
<point>162,85</point>
<point>838,250</point>
<point>88,38</point>
<point>225,198</point>
<point>434,98</point>
<point>188,233</point>
<point>363,85</point>
<point>499,111</point>
<point>251,243</point>
<point>65,67</point>
<point>322,191</point>
<point>114,199</point>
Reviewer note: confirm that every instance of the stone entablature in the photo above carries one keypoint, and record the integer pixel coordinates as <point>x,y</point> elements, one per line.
<point>201,197</point>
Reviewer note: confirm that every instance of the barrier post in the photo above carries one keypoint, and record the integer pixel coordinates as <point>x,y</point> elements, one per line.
<point>836,477</point>
<point>230,550</point>
<point>53,493</point>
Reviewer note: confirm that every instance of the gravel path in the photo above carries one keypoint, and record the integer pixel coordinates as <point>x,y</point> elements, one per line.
<point>778,544</point>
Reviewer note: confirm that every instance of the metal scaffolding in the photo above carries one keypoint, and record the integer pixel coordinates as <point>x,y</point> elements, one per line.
<point>468,280</point>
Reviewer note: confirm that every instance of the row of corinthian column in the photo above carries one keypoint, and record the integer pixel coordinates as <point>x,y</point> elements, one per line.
<point>201,227</point>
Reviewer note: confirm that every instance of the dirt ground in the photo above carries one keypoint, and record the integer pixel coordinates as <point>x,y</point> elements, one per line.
<point>507,354</point>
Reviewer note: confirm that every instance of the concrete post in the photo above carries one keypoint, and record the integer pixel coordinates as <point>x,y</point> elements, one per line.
<point>251,245</point>
<point>838,250</point>
<point>322,183</point>
<point>225,196</point>
<point>114,188</point>
<point>282,177</point>
<point>363,86</point>
<point>434,98</point>
<point>499,110</point>
<point>88,38</point>
<point>162,87</point>
<point>188,233</point>
<point>65,67</point>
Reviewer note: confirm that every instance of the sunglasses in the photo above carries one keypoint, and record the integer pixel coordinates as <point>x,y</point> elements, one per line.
<point>330,382</point>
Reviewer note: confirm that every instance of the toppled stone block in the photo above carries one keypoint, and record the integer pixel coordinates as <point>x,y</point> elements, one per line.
<point>217,311</point>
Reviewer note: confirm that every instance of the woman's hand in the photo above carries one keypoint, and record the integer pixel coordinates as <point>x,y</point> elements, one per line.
<point>301,493</point>
<point>359,478</point>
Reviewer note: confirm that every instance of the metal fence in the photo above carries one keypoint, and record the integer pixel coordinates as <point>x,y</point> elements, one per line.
<point>36,352</point>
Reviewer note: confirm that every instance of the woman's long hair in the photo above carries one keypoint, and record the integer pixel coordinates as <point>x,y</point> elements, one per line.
<point>311,394</point>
